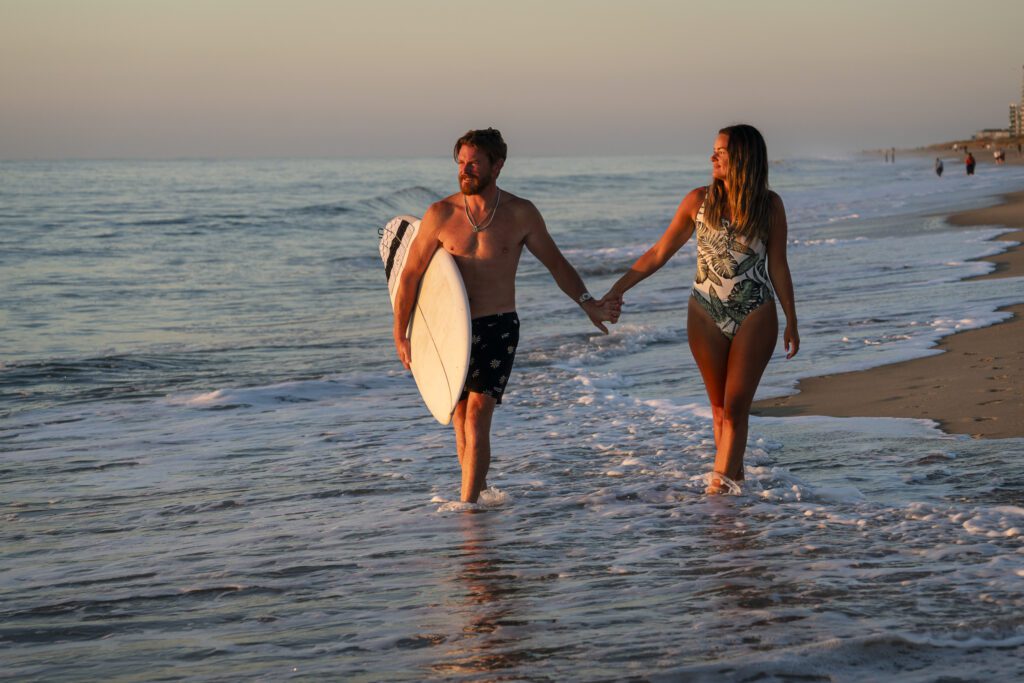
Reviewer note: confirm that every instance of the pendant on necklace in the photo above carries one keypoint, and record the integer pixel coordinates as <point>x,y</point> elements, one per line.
<point>482,226</point>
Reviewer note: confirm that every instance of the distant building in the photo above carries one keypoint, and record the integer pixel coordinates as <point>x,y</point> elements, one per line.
<point>992,134</point>
<point>1017,112</point>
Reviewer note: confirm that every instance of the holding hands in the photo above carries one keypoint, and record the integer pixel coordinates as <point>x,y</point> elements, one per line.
<point>605,309</point>
<point>613,300</point>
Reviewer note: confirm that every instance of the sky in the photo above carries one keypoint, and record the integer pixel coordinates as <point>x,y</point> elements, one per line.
<point>405,78</point>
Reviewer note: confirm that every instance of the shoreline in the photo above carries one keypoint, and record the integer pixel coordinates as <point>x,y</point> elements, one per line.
<point>974,387</point>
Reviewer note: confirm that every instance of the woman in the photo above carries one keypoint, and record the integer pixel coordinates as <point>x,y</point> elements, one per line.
<point>731,321</point>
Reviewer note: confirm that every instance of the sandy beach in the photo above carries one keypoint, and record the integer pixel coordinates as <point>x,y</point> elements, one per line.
<point>974,387</point>
<point>954,158</point>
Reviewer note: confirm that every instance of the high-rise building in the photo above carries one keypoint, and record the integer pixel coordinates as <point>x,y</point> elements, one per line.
<point>1017,122</point>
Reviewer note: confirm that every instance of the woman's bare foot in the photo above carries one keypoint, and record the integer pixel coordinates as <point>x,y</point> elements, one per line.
<point>719,484</point>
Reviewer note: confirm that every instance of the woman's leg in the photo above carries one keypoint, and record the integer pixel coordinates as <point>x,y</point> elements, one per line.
<point>731,371</point>
<point>710,348</point>
<point>749,353</point>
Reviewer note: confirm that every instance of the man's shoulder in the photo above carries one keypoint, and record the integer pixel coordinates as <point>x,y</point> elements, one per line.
<point>447,204</point>
<point>441,210</point>
<point>520,206</point>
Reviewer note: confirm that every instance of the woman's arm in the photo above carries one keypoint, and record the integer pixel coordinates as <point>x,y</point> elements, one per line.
<point>674,237</point>
<point>778,271</point>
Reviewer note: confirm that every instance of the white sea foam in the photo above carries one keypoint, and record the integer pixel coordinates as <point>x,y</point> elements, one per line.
<point>999,521</point>
<point>490,498</point>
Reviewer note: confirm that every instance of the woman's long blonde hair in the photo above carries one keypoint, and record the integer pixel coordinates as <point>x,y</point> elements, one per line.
<point>749,199</point>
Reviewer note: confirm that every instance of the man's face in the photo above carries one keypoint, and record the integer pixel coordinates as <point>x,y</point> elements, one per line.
<point>476,172</point>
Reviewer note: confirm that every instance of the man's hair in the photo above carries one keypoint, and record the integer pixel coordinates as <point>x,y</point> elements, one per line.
<point>487,140</point>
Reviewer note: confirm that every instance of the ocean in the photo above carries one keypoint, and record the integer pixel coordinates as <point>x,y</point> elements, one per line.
<point>213,466</point>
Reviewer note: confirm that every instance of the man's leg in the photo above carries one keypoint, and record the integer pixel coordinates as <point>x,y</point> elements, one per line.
<point>459,425</point>
<point>476,452</point>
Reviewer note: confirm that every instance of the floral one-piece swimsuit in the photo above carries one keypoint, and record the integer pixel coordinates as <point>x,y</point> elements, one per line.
<point>732,274</point>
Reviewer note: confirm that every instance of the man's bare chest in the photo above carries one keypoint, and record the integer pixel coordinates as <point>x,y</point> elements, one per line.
<point>488,245</point>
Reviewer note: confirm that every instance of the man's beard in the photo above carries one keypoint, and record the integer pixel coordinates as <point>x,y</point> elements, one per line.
<point>470,185</point>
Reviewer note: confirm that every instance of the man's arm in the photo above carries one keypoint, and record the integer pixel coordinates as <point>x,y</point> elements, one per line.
<point>541,245</point>
<point>416,261</point>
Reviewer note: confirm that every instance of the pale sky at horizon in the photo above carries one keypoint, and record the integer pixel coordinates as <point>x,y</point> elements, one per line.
<point>241,79</point>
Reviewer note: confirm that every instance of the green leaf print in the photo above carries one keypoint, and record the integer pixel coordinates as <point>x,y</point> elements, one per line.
<point>744,298</point>
<point>715,244</point>
<point>735,244</point>
<point>761,272</point>
<point>746,264</point>
<point>717,309</point>
<point>705,273</point>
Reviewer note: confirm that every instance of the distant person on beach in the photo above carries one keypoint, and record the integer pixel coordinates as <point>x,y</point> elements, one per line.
<point>1000,156</point>
<point>969,162</point>
<point>485,230</point>
<point>938,167</point>
<point>731,322</point>
<point>894,155</point>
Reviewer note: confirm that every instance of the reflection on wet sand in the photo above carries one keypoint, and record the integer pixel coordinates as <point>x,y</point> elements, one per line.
<point>741,577</point>
<point>488,598</point>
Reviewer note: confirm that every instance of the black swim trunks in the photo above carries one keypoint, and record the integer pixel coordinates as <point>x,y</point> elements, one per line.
<point>495,338</point>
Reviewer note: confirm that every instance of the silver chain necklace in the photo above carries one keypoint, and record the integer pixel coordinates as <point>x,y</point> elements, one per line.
<point>482,226</point>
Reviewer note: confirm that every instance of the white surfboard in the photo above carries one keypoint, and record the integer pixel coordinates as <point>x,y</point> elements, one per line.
<point>440,331</point>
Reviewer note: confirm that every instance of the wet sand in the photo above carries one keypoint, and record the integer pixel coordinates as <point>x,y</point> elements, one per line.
<point>975,387</point>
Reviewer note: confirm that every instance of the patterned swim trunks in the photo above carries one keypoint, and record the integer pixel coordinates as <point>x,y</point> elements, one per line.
<point>495,338</point>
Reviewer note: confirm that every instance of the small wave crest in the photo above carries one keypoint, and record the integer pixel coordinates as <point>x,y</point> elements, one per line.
<point>299,391</point>
<point>180,220</point>
<point>411,200</point>
<point>114,376</point>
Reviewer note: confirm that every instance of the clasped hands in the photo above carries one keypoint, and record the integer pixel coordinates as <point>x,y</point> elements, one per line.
<point>606,309</point>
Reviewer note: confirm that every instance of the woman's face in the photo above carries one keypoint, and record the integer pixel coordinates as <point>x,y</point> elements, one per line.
<point>720,157</point>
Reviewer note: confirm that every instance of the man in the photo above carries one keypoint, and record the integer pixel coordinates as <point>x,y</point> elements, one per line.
<point>485,229</point>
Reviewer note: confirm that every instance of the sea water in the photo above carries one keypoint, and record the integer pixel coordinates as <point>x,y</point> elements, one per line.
<point>213,467</point>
